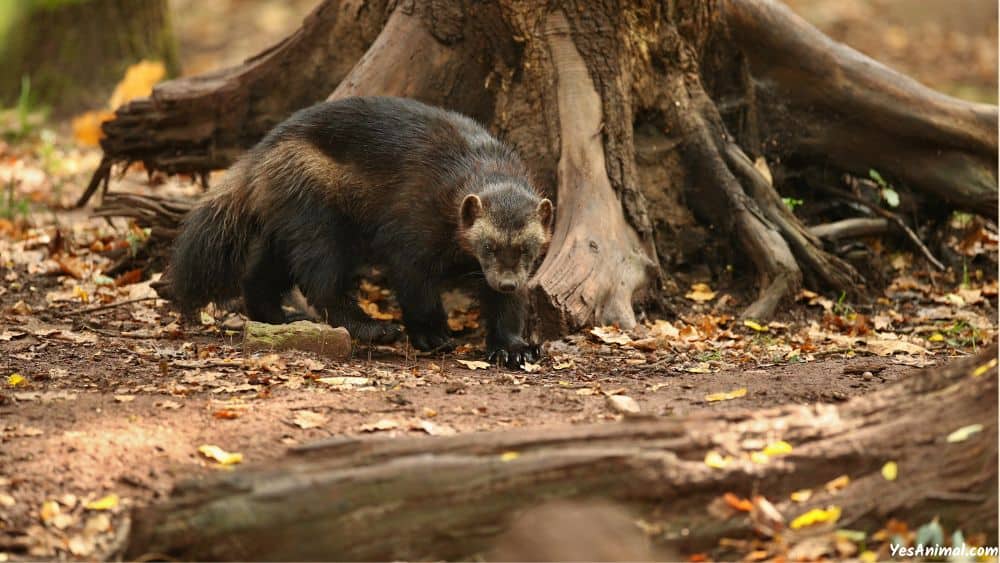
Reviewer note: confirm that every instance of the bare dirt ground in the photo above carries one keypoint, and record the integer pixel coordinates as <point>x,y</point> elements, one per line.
<point>101,410</point>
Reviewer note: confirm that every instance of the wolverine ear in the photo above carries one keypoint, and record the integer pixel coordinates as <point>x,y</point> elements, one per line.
<point>545,213</point>
<point>472,209</point>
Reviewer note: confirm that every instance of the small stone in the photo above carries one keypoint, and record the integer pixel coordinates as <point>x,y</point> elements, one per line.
<point>868,376</point>
<point>623,404</point>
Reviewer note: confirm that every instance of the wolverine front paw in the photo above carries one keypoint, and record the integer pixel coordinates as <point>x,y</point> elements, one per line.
<point>512,354</point>
<point>375,332</point>
<point>438,341</point>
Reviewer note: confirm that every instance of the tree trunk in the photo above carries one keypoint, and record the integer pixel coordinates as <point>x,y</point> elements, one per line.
<point>613,105</point>
<point>447,498</point>
<point>74,52</point>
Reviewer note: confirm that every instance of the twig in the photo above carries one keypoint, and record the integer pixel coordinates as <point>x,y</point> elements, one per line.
<point>107,306</point>
<point>891,217</point>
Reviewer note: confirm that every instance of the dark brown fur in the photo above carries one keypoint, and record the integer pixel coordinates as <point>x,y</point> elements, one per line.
<point>426,194</point>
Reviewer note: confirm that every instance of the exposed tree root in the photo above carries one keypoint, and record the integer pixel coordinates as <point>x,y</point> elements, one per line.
<point>824,101</point>
<point>851,228</point>
<point>592,243</point>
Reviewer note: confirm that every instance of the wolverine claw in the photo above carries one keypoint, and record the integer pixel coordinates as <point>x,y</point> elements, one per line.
<point>513,356</point>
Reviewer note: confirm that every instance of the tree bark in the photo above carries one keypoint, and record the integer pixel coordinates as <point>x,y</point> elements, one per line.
<point>713,84</point>
<point>47,41</point>
<point>447,498</point>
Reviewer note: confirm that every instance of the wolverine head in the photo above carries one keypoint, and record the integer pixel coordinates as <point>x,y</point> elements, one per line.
<point>507,228</point>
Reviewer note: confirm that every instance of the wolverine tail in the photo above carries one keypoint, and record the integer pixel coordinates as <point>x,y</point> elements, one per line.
<point>209,255</point>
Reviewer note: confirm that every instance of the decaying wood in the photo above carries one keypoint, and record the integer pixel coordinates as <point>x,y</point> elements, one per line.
<point>447,498</point>
<point>322,339</point>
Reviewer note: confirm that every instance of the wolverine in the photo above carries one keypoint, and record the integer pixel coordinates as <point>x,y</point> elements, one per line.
<point>426,195</point>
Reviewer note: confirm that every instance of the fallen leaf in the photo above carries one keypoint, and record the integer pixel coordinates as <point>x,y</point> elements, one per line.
<point>837,484</point>
<point>509,456</point>
<point>868,556</point>
<point>963,433</point>
<point>936,337</point>
<point>16,379</point>
<point>700,292</point>
<point>564,365</point>
<point>220,455</point>
<point>474,364</point>
<point>49,510</point>
<point>124,398</point>
<point>344,381</point>
<point>726,396</point>
<point>816,516</point>
<point>530,367</point>
<point>306,419</point>
<point>104,503</point>
<point>755,325</point>
<point>737,503</point>
<point>979,371</point>
<point>610,335</point>
<point>890,471</point>
<point>801,495</point>
<point>715,460</point>
<point>381,424</point>
<point>778,448</point>
<point>227,414</point>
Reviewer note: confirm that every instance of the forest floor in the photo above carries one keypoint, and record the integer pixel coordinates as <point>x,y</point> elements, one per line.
<point>102,410</point>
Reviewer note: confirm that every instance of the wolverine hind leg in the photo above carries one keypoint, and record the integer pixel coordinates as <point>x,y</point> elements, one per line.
<point>265,283</point>
<point>322,266</point>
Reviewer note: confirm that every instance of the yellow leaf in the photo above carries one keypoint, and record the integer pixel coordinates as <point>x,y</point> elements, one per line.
<point>530,367</point>
<point>104,503</point>
<point>50,509</point>
<point>138,82</point>
<point>936,337</point>
<point>801,495</point>
<point>701,293</point>
<point>984,368</point>
<point>727,396</point>
<point>81,293</point>
<point>868,556</point>
<point>890,470</point>
<point>778,448</point>
<point>87,127</point>
<point>715,460</point>
<point>816,516</point>
<point>16,379</point>
<point>838,484</point>
<point>759,458</point>
<point>371,308</point>
<point>474,364</point>
<point>960,435</point>
<point>509,456</point>
<point>220,455</point>
<point>206,318</point>
<point>564,365</point>
<point>754,325</point>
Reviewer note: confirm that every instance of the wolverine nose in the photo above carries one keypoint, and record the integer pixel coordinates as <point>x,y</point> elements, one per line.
<point>508,286</point>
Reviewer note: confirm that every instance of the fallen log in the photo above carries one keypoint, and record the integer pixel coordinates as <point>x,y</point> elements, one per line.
<point>449,497</point>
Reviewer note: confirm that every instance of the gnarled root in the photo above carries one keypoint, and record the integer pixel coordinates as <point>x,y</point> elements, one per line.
<point>597,261</point>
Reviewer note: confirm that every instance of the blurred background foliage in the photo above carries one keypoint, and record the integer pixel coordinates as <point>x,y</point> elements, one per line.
<point>67,56</point>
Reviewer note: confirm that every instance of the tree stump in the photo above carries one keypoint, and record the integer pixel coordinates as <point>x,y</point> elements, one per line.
<point>612,105</point>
